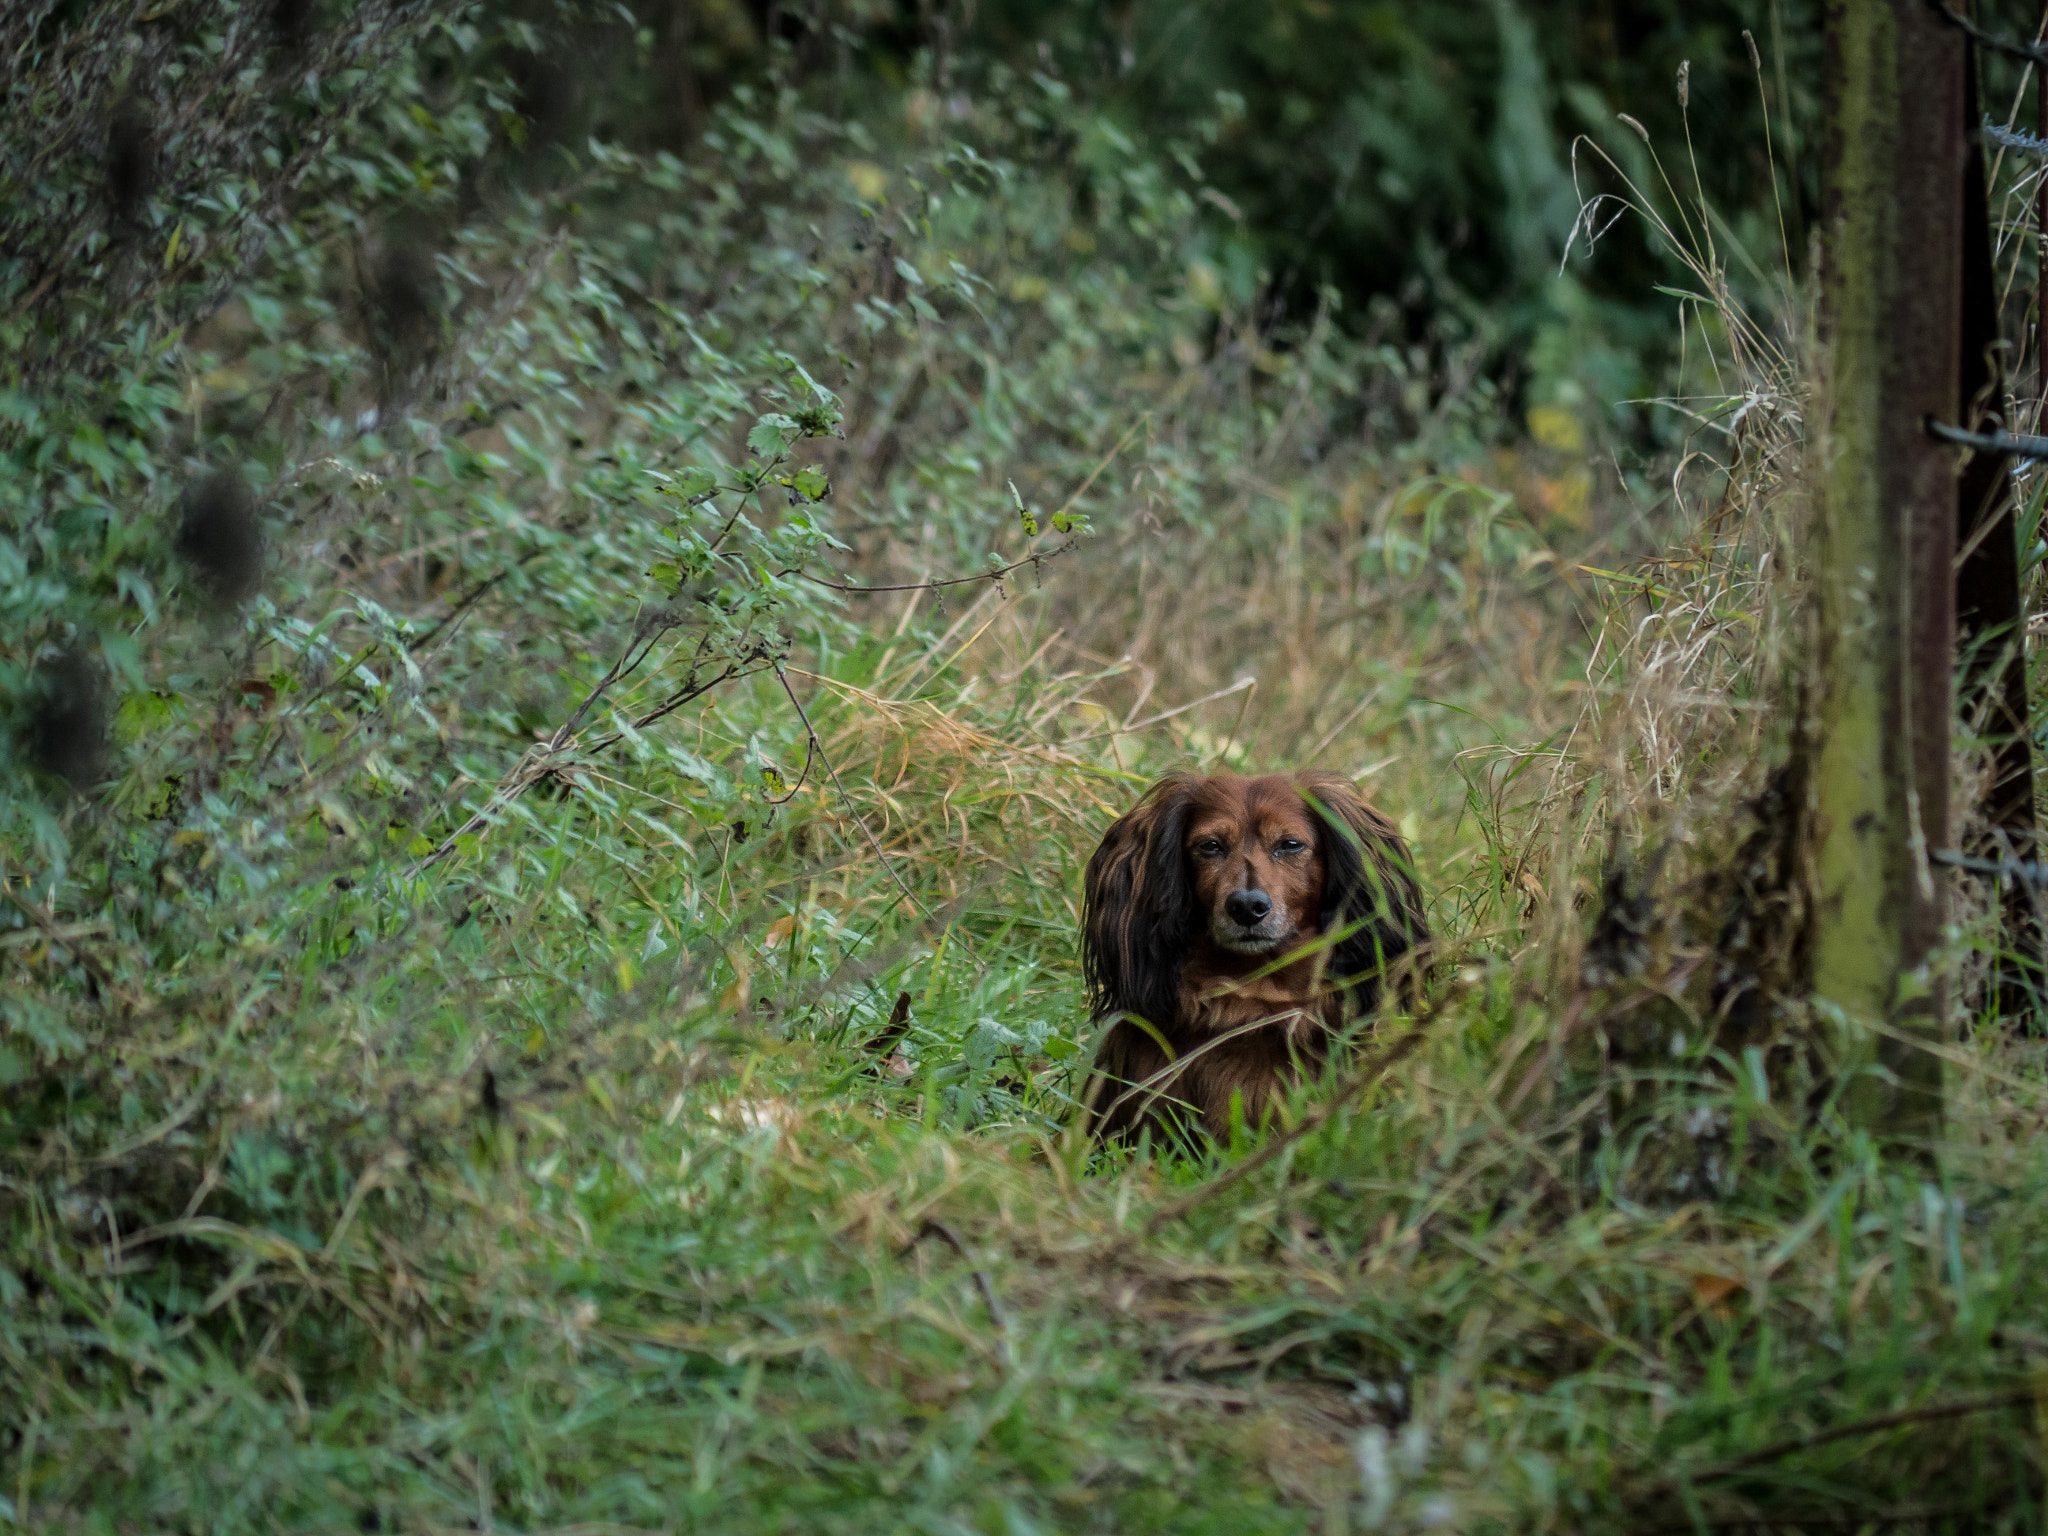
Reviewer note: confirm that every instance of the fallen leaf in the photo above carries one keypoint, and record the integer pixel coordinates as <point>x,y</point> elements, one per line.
<point>1710,1292</point>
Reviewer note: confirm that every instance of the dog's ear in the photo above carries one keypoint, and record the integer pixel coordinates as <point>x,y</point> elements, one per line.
<point>1369,888</point>
<point>1138,908</point>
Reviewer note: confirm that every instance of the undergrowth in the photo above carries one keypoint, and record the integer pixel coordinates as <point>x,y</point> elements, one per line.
<point>559,698</point>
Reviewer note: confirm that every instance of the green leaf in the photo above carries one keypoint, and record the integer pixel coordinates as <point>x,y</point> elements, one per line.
<point>818,420</point>
<point>771,436</point>
<point>1023,513</point>
<point>664,573</point>
<point>695,483</point>
<point>811,483</point>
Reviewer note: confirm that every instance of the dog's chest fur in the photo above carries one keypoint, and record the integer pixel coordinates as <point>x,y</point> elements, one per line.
<point>1235,1037</point>
<point>1287,1006</point>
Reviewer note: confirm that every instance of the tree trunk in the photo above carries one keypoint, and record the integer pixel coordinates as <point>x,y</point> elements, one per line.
<point>1886,542</point>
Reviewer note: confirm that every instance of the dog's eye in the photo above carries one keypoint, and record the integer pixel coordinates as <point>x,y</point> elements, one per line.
<point>1289,845</point>
<point>1208,847</point>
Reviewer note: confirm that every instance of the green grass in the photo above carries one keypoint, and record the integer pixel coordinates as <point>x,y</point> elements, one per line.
<point>415,1122</point>
<point>502,1220</point>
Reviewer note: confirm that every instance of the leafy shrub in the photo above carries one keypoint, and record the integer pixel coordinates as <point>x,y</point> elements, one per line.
<point>556,690</point>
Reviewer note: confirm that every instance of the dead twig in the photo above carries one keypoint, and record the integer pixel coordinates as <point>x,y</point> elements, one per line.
<point>1779,1450</point>
<point>2018,445</point>
<point>2011,47</point>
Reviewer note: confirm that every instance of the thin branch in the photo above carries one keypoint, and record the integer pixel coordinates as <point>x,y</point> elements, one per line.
<point>469,600</point>
<point>1883,1421</point>
<point>2026,871</point>
<point>711,496</point>
<point>994,574</point>
<point>532,764</point>
<point>2032,53</point>
<point>538,762</point>
<point>2018,445</point>
<point>737,508</point>
<point>810,756</point>
<point>652,626</point>
<point>668,706</point>
<point>845,799</point>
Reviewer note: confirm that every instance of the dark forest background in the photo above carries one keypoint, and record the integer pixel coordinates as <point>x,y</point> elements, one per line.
<point>1415,164</point>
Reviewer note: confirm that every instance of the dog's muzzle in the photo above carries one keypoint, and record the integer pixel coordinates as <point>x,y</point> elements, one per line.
<point>1249,924</point>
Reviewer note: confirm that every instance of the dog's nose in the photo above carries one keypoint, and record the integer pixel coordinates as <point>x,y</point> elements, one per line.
<point>1246,908</point>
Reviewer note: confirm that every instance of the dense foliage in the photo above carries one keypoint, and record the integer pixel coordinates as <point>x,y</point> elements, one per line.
<point>576,583</point>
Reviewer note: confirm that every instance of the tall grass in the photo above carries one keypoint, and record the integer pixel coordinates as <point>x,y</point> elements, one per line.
<point>688,1147</point>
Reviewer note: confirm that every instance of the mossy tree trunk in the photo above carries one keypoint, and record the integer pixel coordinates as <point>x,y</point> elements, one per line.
<point>1886,540</point>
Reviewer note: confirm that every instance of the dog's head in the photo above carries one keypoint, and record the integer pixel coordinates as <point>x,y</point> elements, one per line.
<point>1254,858</point>
<point>1253,868</point>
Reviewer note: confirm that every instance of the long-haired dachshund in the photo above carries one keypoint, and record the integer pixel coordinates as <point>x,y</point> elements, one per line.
<point>1201,924</point>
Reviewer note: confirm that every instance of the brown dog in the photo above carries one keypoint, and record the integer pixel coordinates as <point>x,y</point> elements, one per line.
<point>1230,926</point>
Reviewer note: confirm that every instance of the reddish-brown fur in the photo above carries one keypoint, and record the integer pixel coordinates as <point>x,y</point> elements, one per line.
<point>1204,1006</point>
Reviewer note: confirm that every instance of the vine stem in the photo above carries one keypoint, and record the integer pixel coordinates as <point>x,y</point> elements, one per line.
<point>845,799</point>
